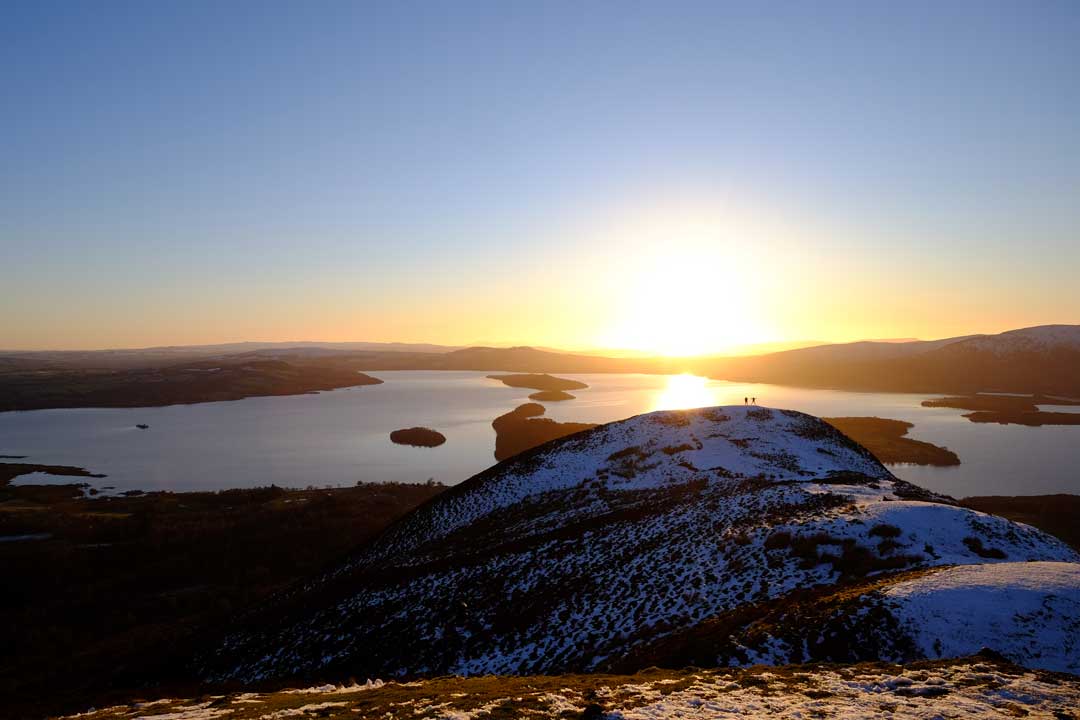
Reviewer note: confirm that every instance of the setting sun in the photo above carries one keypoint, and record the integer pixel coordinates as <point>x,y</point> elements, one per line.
<point>686,304</point>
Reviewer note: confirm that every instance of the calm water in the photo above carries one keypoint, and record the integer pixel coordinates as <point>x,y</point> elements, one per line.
<point>341,437</point>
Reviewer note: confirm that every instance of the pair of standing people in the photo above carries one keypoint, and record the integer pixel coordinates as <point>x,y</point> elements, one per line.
<point>749,401</point>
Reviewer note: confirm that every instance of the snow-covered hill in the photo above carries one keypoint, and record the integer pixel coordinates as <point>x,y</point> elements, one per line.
<point>597,548</point>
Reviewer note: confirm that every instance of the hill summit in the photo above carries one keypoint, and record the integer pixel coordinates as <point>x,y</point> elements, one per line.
<point>724,535</point>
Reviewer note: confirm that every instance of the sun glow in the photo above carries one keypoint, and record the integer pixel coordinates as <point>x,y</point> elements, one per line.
<point>702,275</point>
<point>685,391</point>
<point>686,304</point>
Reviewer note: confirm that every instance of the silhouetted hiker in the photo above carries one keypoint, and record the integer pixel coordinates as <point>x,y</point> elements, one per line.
<point>753,401</point>
<point>746,401</point>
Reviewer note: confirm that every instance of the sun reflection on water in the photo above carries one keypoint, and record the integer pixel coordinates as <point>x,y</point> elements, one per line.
<point>685,391</point>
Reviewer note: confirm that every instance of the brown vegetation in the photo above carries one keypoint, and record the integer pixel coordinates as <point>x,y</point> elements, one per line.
<point>885,439</point>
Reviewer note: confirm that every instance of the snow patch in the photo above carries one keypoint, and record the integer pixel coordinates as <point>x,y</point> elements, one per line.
<point>1029,612</point>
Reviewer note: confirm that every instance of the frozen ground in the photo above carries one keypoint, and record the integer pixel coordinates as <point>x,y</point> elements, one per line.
<point>967,688</point>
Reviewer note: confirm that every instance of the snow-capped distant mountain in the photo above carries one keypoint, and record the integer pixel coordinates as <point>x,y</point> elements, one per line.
<point>591,550</point>
<point>1045,338</point>
<point>1042,359</point>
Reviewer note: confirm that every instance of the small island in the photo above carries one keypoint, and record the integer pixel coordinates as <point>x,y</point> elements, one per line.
<point>551,396</point>
<point>1010,409</point>
<point>539,381</point>
<point>418,437</point>
<point>885,438</point>
<point>523,428</point>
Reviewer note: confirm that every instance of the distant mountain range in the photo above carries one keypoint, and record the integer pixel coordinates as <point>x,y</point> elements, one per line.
<point>1044,359</point>
<point>134,358</point>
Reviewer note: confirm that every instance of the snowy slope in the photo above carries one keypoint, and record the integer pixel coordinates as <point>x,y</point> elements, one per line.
<point>741,441</point>
<point>1029,612</point>
<point>589,549</point>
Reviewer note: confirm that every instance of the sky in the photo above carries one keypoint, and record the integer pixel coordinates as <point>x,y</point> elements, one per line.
<point>676,177</point>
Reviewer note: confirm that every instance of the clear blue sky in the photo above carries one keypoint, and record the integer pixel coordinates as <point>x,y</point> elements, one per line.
<point>463,171</point>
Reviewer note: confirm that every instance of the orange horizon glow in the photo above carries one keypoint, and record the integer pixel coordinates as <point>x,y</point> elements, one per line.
<point>701,275</point>
<point>674,351</point>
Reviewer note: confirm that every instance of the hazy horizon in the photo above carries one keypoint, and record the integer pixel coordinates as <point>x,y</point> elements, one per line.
<point>734,350</point>
<point>683,178</point>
